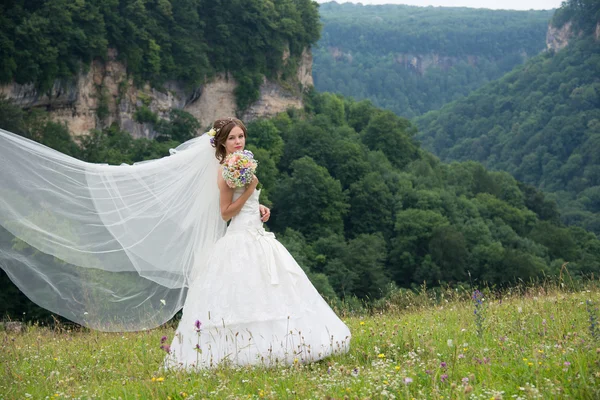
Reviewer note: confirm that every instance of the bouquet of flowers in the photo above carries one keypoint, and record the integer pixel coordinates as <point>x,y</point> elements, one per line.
<point>239,168</point>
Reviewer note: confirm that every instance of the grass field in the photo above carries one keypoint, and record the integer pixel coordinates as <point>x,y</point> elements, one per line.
<point>540,342</point>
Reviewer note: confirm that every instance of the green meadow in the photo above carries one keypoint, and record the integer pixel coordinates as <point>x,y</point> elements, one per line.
<point>537,341</point>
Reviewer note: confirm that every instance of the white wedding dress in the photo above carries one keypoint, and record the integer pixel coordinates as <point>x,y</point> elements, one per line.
<point>255,305</point>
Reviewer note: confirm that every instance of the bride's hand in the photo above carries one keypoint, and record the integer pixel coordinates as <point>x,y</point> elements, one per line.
<point>265,213</point>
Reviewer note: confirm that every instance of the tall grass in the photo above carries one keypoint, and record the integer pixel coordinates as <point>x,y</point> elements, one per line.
<point>533,340</point>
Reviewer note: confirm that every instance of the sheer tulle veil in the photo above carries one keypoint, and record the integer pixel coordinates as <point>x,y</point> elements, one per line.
<point>111,247</point>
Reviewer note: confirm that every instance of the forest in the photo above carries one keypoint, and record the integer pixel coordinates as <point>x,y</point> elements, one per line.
<point>371,52</point>
<point>360,205</point>
<point>540,122</point>
<point>356,195</point>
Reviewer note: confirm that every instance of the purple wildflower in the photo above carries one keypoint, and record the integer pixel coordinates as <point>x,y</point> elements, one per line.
<point>198,324</point>
<point>166,348</point>
<point>443,364</point>
<point>407,380</point>
<point>566,364</point>
<point>444,377</point>
<point>163,339</point>
<point>465,380</point>
<point>428,372</point>
<point>461,356</point>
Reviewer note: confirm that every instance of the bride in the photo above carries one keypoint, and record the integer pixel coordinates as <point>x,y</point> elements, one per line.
<point>252,304</point>
<point>125,247</point>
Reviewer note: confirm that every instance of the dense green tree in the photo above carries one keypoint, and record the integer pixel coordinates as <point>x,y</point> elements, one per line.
<point>371,207</point>
<point>314,201</point>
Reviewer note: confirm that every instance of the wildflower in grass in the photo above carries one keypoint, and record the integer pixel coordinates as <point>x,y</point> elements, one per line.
<point>479,311</point>
<point>443,364</point>
<point>444,377</point>
<point>461,355</point>
<point>465,380</point>
<point>407,380</point>
<point>163,339</point>
<point>428,372</point>
<point>381,355</point>
<point>354,372</point>
<point>166,348</point>
<point>593,318</point>
<point>450,343</point>
<point>197,324</point>
<point>362,322</point>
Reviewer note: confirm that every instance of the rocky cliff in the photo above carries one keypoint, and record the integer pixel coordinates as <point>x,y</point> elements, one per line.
<point>104,94</point>
<point>418,63</point>
<point>558,38</point>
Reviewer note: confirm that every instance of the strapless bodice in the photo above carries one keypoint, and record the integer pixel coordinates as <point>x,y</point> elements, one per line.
<point>249,215</point>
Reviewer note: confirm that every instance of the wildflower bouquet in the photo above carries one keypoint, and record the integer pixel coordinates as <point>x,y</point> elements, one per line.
<point>239,168</point>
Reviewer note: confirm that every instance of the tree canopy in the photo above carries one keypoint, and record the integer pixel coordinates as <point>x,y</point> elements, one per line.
<point>540,122</point>
<point>411,60</point>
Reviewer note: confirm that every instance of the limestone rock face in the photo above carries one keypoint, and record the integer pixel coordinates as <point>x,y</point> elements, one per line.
<point>104,94</point>
<point>558,38</point>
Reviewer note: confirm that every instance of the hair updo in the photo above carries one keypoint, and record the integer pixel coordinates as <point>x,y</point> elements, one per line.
<point>223,127</point>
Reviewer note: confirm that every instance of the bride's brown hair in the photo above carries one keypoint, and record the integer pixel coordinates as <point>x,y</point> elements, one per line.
<point>223,127</point>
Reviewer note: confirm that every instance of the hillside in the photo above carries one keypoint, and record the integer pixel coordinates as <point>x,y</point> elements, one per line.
<point>95,63</point>
<point>411,60</point>
<point>357,201</point>
<point>540,123</point>
<point>363,209</point>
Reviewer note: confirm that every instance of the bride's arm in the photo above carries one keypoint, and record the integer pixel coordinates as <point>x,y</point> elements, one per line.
<point>230,208</point>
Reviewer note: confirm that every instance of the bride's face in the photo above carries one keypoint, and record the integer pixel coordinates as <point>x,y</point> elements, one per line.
<point>235,141</point>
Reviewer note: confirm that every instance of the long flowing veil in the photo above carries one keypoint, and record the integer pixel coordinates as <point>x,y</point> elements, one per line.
<point>110,247</point>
